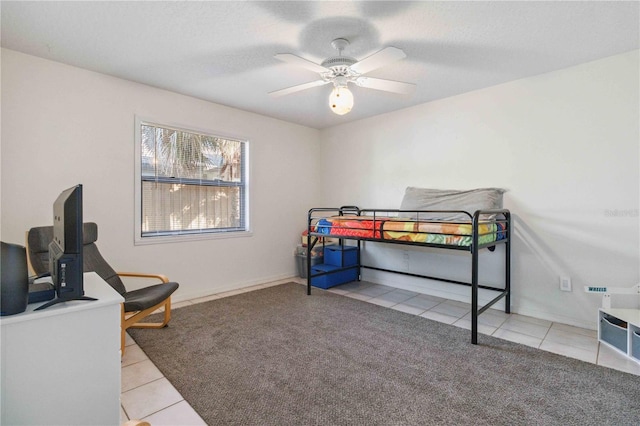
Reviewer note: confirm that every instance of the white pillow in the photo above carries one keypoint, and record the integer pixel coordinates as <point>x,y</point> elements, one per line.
<point>445,199</point>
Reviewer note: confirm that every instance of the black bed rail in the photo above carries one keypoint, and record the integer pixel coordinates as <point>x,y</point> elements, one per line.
<point>379,217</point>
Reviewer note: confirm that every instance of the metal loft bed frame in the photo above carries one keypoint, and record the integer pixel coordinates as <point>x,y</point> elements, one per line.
<point>502,216</point>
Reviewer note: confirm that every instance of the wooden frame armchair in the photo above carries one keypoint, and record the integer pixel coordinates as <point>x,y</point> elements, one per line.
<point>137,305</point>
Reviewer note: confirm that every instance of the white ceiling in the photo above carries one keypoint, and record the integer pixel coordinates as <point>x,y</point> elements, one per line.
<point>223,51</point>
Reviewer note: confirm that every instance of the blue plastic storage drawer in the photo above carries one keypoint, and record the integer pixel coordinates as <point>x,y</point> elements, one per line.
<point>635,344</point>
<point>333,279</point>
<point>341,255</point>
<point>614,332</point>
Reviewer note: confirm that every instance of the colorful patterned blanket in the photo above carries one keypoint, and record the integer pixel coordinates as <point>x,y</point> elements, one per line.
<point>404,229</point>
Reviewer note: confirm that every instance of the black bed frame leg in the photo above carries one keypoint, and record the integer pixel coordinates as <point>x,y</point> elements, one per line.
<point>507,268</point>
<point>309,247</point>
<point>474,295</point>
<point>474,281</point>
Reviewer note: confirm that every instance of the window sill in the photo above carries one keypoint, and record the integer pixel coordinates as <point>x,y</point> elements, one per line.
<point>164,239</point>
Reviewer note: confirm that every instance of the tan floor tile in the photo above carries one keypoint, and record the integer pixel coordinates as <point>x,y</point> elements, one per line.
<point>356,285</point>
<point>489,318</point>
<point>338,290</point>
<point>588,355</point>
<point>532,320</point>
<point>139,374</point>
<point>437,316</point>
<point>408,309</point>
<point>514,336</point>
<point>422,301</point>
<point>458,303</point>
<point>381,302</point>
<point>358,296</point>
<point>533,329</point>
<point>571,338</point>
<point>376,290</point>
<point>609,357</point>
<point>452,309</point>
<point>576,330</point>
<point>150,398</point>
<point>128,340</point>
<point>123,416</point>
<point>178,414</point>
<point>133,354</point>
<point>482,328</point>
<point>398,296</point>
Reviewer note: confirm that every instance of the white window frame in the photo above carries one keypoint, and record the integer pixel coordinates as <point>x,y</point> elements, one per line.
<point>159,239</point>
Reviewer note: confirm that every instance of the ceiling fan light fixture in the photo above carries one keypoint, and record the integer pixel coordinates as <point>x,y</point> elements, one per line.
<point>341,100</point>
<point>341,70</point>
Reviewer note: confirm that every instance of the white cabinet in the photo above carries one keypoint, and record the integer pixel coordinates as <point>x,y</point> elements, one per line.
<point>61,365</point>
<point>620,329</point>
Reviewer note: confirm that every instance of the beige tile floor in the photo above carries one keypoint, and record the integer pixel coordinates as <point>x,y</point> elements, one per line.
<point>147,395</point>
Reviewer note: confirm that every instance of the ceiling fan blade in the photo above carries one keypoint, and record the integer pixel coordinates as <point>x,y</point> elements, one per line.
<point>301,62</point>
<point>386,85</point>
<point>378,60</point>
<point>297,88</point>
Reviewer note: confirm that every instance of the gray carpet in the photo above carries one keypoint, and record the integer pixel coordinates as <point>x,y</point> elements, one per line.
<point>279,357</point>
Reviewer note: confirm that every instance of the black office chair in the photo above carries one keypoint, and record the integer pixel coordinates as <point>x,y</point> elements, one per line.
<point>137,303</point>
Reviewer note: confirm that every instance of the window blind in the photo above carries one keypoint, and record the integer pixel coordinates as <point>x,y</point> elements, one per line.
<point>191,182</point>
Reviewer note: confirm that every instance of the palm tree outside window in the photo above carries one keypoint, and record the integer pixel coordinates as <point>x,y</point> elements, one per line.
<point>191,182</point>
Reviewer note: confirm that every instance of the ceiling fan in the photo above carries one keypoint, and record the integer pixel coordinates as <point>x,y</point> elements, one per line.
<point>342,70</point>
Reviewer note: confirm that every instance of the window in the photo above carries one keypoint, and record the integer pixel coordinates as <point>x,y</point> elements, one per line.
<point>190,183</point>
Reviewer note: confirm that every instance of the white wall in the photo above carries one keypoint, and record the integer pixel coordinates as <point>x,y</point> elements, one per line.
<point>63,125</point>
<point>566,146</point>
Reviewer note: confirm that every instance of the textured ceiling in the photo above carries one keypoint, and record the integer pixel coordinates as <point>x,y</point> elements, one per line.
<point>223,51</point>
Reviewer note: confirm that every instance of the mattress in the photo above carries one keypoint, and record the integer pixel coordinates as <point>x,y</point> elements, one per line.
<point>458,233</point>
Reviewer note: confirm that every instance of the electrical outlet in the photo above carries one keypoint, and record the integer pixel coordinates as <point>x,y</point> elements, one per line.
<point>565,283</point>
<point>405,260</point>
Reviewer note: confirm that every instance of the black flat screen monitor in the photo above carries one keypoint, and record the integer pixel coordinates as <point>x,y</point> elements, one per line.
<point>65,251</point>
